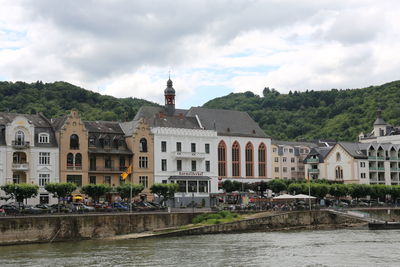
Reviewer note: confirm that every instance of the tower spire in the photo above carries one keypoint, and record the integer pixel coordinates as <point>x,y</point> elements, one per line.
<point>169,94</point>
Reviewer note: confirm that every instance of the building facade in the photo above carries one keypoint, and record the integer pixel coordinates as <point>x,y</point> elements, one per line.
<point>29,152</point>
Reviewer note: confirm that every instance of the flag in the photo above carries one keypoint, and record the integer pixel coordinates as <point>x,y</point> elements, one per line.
<point>126,172</point>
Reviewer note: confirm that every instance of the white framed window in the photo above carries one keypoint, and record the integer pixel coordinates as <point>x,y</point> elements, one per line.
<point>44,138</point>
<point>362,164</point>
<point>44,158</point>
<point>274,150</point>
<point>143,162</point>
<point>144,180</point>
<point>44,178</point>
<point>363,175</point>
<point>284,159</point>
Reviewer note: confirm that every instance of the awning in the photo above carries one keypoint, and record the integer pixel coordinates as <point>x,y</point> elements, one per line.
<point>204,178</point>
<point>284,196</point>
<point>304,196</point>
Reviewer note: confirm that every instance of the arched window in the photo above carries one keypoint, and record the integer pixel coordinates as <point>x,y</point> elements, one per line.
<point>338,156</point>
<point>143,145</point>
<point>74,142</point>
<point>106,142</point>
<point>262,160</point>
<point>339,173</point>
<point>222,159</point>
<point>235,159</point>
<point>249,159</point>
<point>115,143</point>
<point>78,160</point>
<point>19,138</point>
<point>70,160</point>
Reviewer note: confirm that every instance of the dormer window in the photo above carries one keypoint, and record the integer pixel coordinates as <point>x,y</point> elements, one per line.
<point>44,138</point>
<point>106,142</point>
<point>92,141</point>
<point>19,138</point>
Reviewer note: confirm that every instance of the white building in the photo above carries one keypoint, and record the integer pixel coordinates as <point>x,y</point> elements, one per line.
<point>29,152</point>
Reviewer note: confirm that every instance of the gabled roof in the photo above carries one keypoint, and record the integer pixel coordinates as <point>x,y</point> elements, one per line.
<point>356,150</point>
<point>58,123</point>
<point>293,143</point>
<point>103,127</point>
<point>227,122</point>
<point>36,119</point>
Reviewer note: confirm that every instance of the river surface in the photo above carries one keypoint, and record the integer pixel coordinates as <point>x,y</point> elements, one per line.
<point>348,247</point>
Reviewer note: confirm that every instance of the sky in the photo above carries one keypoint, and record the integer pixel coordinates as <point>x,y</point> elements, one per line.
<point>211,48</point>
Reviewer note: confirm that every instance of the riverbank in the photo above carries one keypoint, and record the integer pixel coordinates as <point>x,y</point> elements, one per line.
<point>47,229</point>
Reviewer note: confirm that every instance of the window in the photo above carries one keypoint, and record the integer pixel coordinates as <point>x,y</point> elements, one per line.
<point>92,141</point>
<point>178,146</point>
<point>92,163</point>
<point>193,165</point>
<point>193,147</point>
<point>207,148</point>
<point>78,160</point>
<point>143,162</point>
<point>144,180</point>
<point>164,181</point>
<point>363,176</point>
<point>107,142</point>
<point>339,172</point>
<point>16,178</point>
<point>164,165</point>
<point>284,159</point>
<point>107,162</point>
<point>92,180</point>
<point>274,150</point>
<point>44,198</point>
<point>163,146</point>
<point>290,150</point>
<point>76,179</point>
<point>276,169</point>
<point>362,164</point>
<point>203,187</point>
<point>74,142</point>
<point>207,165</point>
<point>249,159</point>
<point>182,186</point>
<point>19,138</point>
<point>293,169</point>
<point>143,145</point>
<point>107,179</point>
<point>43,138</point>
<point>338,156</point>
<point>235,159</point>
<point>44,178</point>
<point>192,186</point>
<point>221,159</point>
<point>44,158</point>
<point>70,160</point>
<point>284,169</point>
<point>285,150</point>
<point>276,159</point>
<point>261,160</point>
<point>179,165</point>
<point>292,160</point>
<point>122,166</point>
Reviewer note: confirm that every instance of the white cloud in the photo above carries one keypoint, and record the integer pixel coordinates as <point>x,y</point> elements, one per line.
<point>126,48</point>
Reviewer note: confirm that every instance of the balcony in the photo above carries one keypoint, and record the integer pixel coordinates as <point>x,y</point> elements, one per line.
<point>311,160</point>
<point>20,145</point>
<point>377,169</point>
<point>380,158</point>
<point>393,158</point>
<point>20,166</point>
<point>107,170</point>
<point>394,169</point>
<point>188,155</point>
<point>313,171</point>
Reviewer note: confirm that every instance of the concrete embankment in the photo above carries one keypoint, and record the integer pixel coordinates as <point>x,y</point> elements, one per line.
<point>269,222</point>
<point>38,229</point>
<point>20,230</point>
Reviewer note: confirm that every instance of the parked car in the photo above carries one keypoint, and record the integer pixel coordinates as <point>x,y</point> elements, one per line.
<point>63,208</point>
<point>80,207</point>
<point>29,209</point>
<point>144,206</point>
<point>10,209</point>
<point>119,206</point>
<point>45,208</point>
<point>2,212</point>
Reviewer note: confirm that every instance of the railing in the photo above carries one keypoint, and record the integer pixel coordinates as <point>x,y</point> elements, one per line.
<point>20,166</point>
<point>179,154</point>
<point>372,157</point>
<point>313,170</point>
<point>376,168</point>
<point>311,160</point>
<point>19,144</point>
<point>393,158</point>
<point>77,168</point>
<point>394,169</point>
<point>380,158</point>
<point>104,169</point>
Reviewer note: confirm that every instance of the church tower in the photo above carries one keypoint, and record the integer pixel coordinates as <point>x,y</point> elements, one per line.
<point>169,94</point>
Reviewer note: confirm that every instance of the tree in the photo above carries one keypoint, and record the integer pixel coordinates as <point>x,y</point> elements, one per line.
<point>20,192</point>
<point>277,185</point>
<point>124,190</point>
<point>319,190</point>
<point>60,190</point>
<point>164,191</point>
<point>95,191</point>
<point>338,190</point>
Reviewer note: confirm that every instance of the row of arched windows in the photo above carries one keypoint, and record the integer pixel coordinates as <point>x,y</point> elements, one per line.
<point>74,160</point>
<point>249,160</point>
<point>105,142</point>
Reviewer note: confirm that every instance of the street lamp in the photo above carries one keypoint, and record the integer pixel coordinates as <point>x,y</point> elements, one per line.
<point>259,197</point>
<point>192,199</point>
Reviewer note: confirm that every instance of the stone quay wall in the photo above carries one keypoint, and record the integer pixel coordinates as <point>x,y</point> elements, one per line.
<point>289,220</point>
<point>39,229</point>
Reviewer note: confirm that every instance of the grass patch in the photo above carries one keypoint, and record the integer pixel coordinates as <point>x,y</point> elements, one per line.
<point>216,218</point>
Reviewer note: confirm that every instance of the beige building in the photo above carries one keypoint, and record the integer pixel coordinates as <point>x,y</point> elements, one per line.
<point>288,157</point>
<point>140,141</point>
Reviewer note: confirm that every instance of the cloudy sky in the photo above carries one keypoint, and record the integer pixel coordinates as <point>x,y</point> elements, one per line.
<point>127,48</point>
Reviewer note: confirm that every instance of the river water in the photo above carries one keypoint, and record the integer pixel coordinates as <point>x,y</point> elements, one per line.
<point>348,247</point>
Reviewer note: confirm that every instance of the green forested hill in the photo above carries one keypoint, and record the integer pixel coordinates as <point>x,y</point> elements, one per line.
<point>334,114</point>
<point>54,99</point>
